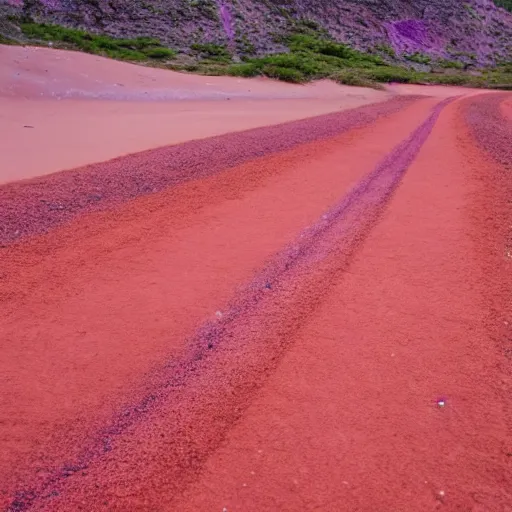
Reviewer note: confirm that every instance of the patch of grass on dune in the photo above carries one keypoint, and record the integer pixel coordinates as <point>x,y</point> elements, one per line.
<point>309,58</point>
<point>312,58</point>
<point>138,49</point>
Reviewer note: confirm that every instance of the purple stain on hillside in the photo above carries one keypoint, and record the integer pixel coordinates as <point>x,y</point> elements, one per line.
<point>409,36</point>
<point>406,33</point>
<point>227,21</point>
<point>413,30</point>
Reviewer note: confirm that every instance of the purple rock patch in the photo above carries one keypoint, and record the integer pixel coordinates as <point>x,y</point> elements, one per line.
<point>407,36</point>
<point>227,21</point>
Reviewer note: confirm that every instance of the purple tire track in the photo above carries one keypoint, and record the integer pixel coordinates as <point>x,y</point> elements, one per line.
<point>236,353</point>
<point>34,206</point>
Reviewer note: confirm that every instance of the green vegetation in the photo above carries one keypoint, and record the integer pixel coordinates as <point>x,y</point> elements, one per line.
<point>212,52</point>
<point>6,40</point>
<point>160,53</point>
<point>244,45</point>
<point>283,73</point>
<point>355,78</point>
<point>139,49</point>
<point>447,64</point>
<point>311,56</point>
<point>385,48</point>
<point>506,4</point>
<point>419,58</point>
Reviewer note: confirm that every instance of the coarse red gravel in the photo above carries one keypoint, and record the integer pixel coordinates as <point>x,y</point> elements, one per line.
<point>33,206</point>
<point>226,358</point>
<point>395,394</point>
<point>361,367</point>
<point>92,306</point>
<point>491,129</point>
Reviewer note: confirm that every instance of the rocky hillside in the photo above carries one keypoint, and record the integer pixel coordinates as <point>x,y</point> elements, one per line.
<point>472,31</point>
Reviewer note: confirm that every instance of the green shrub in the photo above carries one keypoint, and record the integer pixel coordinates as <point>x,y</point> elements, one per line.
<point>385,48</point>
<point>120,54</point>
<point>138,49</point>
<point>139,42</point>
<point>388,74</point>
<point>211,49</point>
<point>445,63</point>
<point>246,70</point>
<point>302,62</point>
<point>505,67</point>
<point>160,53</point>
<point>273,68</point>
<point>215,53</point>
<point>341,51</point>
<point>355,78</point>
<point>506,4</point>
<point>282,73</point>
<point>419,58</point>
<point>448,79</point>
<point>304,42</point>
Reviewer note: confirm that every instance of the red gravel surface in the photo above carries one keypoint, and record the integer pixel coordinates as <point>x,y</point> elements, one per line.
<point>307,317</point>
<point>33,206</point>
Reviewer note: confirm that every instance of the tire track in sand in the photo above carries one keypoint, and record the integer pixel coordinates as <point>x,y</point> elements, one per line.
<point>207,390</point>
<point>90,308</point>
<point>33,207</point>
<point>352,417</point>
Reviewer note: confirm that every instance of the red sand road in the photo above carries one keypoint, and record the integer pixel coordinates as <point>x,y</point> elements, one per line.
<point>200,239</point>
<point>349,305</point>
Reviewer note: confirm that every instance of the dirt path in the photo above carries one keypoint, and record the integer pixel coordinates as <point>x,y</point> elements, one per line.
<point>307,317</point>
